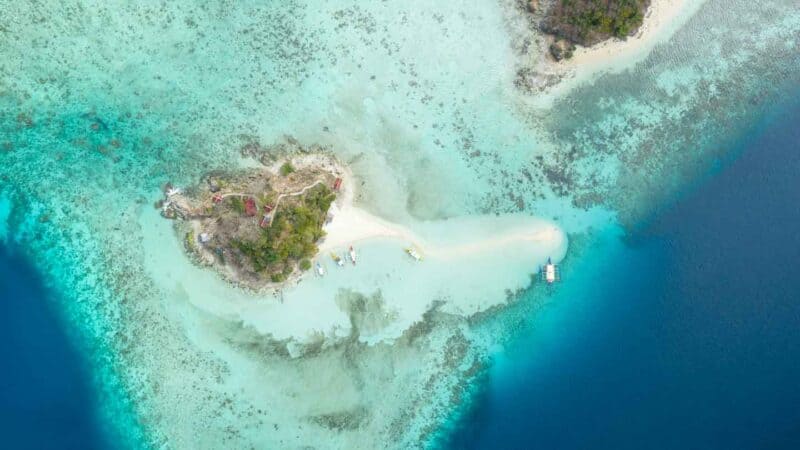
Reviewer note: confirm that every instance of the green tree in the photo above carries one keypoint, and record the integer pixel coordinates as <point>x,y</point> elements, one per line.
<point>237,204</point>
<point>287,168</point>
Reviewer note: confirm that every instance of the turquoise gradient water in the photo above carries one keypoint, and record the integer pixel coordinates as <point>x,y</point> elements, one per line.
<point>101,103</point>
<point>46,398</point>
<point>681,335</point>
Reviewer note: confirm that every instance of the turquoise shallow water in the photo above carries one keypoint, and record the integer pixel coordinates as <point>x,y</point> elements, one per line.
<point>100,104</point>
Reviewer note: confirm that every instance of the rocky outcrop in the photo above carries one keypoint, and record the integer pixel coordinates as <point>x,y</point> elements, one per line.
<point>561,49</point>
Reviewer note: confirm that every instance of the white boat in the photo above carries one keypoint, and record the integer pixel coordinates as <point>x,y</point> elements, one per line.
<point>414,254</point>
<point>550,272</point>
<point>320,270</point>
<point>352,255</point>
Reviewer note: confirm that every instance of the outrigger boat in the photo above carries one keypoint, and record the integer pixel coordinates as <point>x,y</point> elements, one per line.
<point>549,272</point>
<point>320,270</point>
<point>352,255</point>
<point>414,254</point>
<point>339,261</point>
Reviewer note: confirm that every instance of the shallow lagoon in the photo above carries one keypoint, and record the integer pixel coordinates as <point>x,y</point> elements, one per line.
<point>104,103</point>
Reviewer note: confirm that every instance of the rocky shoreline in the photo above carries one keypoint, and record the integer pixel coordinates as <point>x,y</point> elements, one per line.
<point>259,228</point>
<point>572,23</point>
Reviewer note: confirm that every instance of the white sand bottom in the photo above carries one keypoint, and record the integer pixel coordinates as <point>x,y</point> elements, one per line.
<point>470,264</point>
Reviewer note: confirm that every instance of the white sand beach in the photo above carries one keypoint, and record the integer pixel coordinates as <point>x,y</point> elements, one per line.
<point>470,264</point>
<point>352,225</point>
<point>605,56</point>
<point>662,19</point>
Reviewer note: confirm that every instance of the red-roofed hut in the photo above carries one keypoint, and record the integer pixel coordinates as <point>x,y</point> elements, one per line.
<point>250,206</point>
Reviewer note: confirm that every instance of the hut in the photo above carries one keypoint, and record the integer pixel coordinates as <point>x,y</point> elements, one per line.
<point>266,220</point>
<point>250,206</point>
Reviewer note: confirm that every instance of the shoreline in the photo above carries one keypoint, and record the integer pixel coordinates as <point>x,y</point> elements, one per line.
<point>662,19</point>
<point>483,257</point>
<point>187,213</point>
<point>351,224</point>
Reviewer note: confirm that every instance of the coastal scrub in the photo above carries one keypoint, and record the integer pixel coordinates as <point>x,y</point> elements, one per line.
<point>257,226</point>
<point>291,237</point>
<point>588,22</point>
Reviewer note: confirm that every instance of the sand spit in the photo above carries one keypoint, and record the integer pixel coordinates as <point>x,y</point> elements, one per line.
<point>352,225</point>
<point>470,264</point>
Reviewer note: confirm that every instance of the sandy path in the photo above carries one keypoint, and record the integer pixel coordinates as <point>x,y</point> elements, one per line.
<point>280,197</point>
<point>294,194</point>
<point>290,194</point>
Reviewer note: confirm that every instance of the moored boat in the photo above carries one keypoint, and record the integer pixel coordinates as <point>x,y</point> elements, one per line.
<point>414,254</point>
<point>337,259</point>
<point>320,270</point>
<point>352,255</point>
<point>550,272</point>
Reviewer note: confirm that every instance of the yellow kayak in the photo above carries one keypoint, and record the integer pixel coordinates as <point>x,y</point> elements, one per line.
<point>337,259</point>
<point>414,254</point>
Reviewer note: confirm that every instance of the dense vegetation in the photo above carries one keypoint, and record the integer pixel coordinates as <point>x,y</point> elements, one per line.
<point>588,22</point>
<point>292,237</point>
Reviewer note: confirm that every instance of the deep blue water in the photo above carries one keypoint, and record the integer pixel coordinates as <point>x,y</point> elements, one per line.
<point>46,399</point>
<point>686,335</point>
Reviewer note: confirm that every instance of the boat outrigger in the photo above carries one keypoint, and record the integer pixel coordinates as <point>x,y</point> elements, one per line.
<point>339,261</point>
<point>414,253</point>
<point>352,255</point>
<point>549,272</point>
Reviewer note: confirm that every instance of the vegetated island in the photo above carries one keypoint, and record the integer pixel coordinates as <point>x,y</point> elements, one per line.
<point>588,22</point>
<point>258,227</point>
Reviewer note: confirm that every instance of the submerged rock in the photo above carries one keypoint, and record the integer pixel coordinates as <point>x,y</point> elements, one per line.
<point>561,49</point>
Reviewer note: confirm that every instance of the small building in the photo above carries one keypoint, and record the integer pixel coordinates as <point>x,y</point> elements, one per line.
<point>337,184</point>
<point>265,221</point>
<point>204,238</point>
<point>250,206</point>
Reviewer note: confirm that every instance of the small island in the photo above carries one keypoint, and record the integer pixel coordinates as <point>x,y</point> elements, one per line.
<point>588,22</point>
<point>258,227</point>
